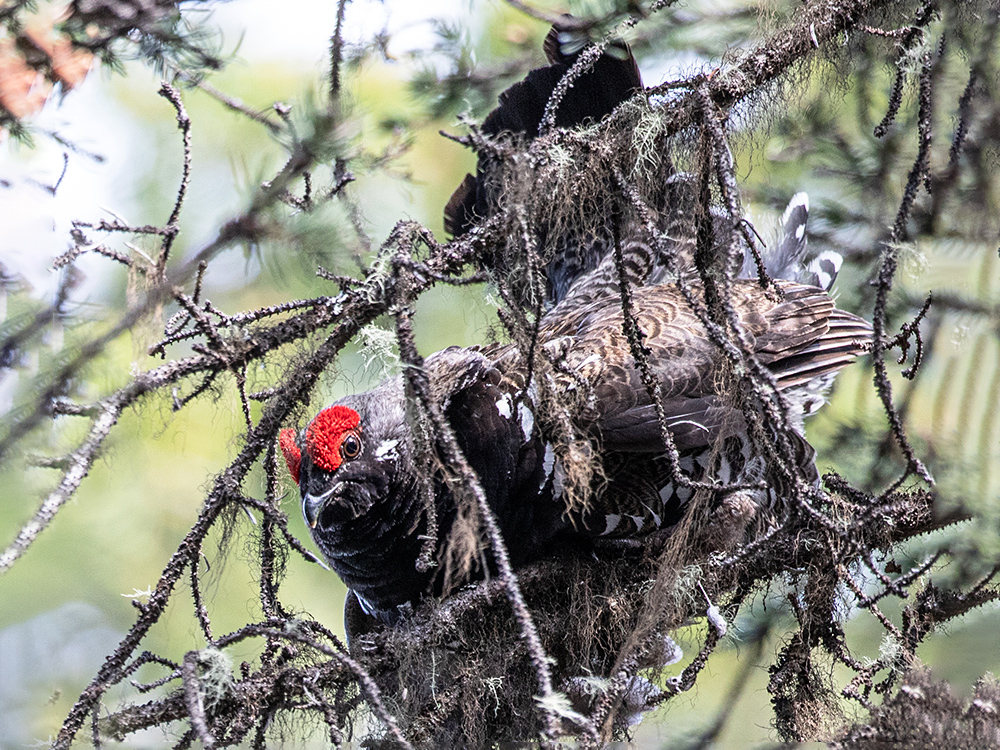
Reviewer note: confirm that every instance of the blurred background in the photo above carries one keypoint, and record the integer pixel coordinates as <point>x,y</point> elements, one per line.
<point>64,606</point>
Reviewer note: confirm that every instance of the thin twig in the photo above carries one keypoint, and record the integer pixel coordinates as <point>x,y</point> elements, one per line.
<point>171,229</point>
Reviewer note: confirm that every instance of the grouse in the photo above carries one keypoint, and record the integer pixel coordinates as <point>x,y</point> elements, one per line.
<point>355,463</point>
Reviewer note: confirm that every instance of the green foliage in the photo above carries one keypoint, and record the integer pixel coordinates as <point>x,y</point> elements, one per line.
<point>157,33</point>
<point>815,133</point>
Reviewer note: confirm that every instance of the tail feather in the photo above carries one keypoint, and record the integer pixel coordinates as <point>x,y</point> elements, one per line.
<point>823,269</point>
<point>785,259</point>
<point>792,248</point>
<point>612,79</point>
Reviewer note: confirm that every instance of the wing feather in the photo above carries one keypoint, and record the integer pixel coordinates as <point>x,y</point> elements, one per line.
<point>799,336</point>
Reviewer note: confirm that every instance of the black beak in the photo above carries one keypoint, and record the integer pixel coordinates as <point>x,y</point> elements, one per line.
<point>341,503</point>
<point>312,506</point>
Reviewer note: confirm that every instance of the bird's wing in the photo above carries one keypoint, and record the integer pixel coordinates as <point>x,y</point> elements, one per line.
<point>799,336</point>
<point>496,430</point>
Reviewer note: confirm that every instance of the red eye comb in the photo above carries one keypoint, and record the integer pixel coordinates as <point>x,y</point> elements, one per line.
<point>293,457</point>
<point>325,434</point>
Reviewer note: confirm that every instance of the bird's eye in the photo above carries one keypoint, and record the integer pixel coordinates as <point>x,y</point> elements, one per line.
<point>351,447</point>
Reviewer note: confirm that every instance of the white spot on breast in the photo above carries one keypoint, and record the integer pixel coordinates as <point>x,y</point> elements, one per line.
<point>548,462</point>
<point>527,420</point>
<point>386,450</point>
<point>611,521</point>
<point>552,468</point>
<point>558,475</point>
<point>503,406</point>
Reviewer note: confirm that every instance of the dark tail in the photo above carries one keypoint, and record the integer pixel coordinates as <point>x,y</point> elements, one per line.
<point>612,79</point>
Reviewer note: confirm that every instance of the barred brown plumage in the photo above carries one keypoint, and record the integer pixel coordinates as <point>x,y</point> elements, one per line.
<point>355,463</point>
<point>366,516</point>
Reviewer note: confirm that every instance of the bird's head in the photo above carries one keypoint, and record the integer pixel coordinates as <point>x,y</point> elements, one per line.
<point>345,461</point>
